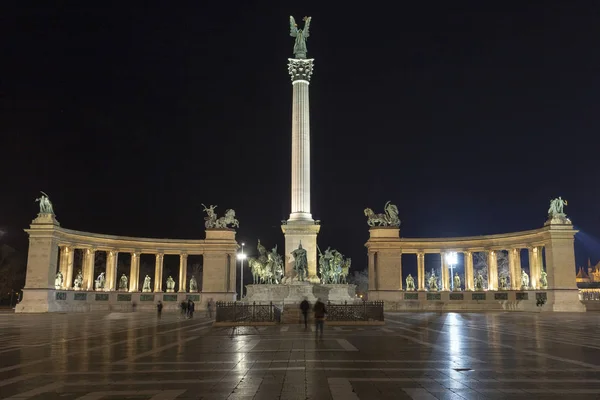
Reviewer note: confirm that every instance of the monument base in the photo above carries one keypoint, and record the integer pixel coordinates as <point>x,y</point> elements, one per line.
<point>298,291</point>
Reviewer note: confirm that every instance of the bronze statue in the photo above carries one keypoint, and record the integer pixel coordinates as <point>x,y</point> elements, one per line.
<point>301,35</point>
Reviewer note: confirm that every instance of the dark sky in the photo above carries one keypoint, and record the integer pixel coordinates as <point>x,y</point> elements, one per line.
<point>470,116</point>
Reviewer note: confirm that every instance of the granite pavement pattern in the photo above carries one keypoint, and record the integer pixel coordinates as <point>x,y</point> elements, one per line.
<point>421,356</point>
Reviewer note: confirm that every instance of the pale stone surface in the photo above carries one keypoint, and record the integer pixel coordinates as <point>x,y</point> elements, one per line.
<point>295,293</point>
<point>305,233</point>
<point>385,248</point>
<point>46,236</point>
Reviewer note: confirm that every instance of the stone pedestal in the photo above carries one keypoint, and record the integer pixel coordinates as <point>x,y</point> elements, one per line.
<point>304,232</point>
<point>295,293</point>
<point>219,271</point>
<point>385,261</point>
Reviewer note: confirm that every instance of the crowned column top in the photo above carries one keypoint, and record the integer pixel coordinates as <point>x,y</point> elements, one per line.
<point>300,69</point>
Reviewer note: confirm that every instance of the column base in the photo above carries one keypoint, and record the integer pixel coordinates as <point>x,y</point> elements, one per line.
<point>305,233</point>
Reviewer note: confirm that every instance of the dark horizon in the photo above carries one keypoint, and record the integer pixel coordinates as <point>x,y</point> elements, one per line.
<point>470,119</point>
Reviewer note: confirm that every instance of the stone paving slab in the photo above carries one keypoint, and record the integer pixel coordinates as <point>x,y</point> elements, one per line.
<point>414,356</point>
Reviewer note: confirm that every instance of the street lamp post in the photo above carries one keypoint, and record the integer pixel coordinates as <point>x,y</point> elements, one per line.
<point>241,256</point>
<point>452,260</point>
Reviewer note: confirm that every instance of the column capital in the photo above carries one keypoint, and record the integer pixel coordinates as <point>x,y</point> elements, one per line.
<point>421,254</point>
<point>300,69</point>
<point>160,254</point>
<point>112,252</point>
<point>183,255</point>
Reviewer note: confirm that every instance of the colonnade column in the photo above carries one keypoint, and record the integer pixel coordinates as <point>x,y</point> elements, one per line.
<point>158,271</point>
<point>111,271</point>
<point>514,264</point>
<point>62,266</point>
<point>421,270</point>
<point>492,271</point>
<point>469,278</point>
<point>134,274</point>
<point>69,274</point>
<point>89,262</point>
<point>444,273</point>
<point>182,272</point>
<point>539,264</point>
<point>534,273</point>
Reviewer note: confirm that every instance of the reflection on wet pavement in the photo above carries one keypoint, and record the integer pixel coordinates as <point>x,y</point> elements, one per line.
<point>414,356</point>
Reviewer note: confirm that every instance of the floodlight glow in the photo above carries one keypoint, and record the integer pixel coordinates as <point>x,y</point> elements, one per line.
<point>241,256</point>
<point>452,258</point>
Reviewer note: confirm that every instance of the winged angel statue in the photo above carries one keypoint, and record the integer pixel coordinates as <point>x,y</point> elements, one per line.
<point>301,35</point>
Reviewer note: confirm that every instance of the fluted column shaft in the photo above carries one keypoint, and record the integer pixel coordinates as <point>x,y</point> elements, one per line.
<point>445,273</point>
<point>134,274</point>
<point>69,276</point>
<point>421,271</point>
<point>89,262</point>
<point>182,273</point>
<point>469,276</point>
<point>111,271</point>
<point>300,71</point>
<point>64,260</point>
<point>492,271</point>
<point>158,272</point>
<point>514,263</point>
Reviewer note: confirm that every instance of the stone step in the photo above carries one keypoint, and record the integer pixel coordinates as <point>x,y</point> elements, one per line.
<point>293,315</point>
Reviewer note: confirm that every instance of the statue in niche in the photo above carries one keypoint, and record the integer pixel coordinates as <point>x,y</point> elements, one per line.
<point>557,208</point>
<point>433,282</point>
<point>58,281</point>
<point>193,284</point>
<point>479,281</point>
<point>544,280</point>
<point>123,282</point>
<point>78,284</point>
<point>45,204</point>
<point>410,283</point>
<point>456,282</point>
<point>503,283</point>
<point>301,35</point>
<point>147,284</point>
<point>100,281</point>
<point>170,284</point>
<point>300,262</point>
<point>524,280</point>
<point>388,218</point>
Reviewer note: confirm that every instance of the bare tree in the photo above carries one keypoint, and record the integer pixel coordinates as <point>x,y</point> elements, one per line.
<point>361,280</point>
<point>12,270</point>
<point>480,264</point>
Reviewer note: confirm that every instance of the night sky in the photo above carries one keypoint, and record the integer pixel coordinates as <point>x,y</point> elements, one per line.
<point>470,116</point>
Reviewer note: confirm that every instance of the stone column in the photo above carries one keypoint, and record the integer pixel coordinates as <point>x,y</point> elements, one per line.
<point>372,270</point>
<point>469,277</point>
<point>492,270</point>
<point>88,275</point>
<point>300,228</point>
<point>540,263</point>
<point>62,266</point>
<point>111,271</point>
<point>421,270</point>
<point>182,272</point>
<point>69,275</point>
<point>134,274</point>
<point>514,268</point>
<point>158,272</point>
<point>534,272</point>
<point>444,273</point>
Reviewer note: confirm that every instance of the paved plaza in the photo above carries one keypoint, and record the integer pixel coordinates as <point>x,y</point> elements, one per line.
<point>414,356</point>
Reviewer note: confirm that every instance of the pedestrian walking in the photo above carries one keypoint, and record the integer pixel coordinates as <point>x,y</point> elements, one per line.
<point>320,312</point>
<point>304,307</point>
<point>190,308</point>
<point>209,308</point>
<point>159,308</point>
<point>183,308</point>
